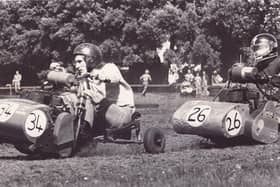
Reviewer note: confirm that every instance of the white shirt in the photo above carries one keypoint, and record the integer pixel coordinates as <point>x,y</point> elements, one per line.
<point>122,91</point>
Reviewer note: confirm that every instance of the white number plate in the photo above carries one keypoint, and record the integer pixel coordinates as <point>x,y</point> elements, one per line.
<point>233,122</point>
<point>7,110</point>
<point>36,123</point>
<point>198,115</point>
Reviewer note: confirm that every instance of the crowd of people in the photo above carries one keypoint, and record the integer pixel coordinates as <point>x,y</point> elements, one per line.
<point>190,79</point>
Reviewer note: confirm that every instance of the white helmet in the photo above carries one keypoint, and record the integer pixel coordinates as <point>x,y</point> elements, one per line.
<point>264,46</point>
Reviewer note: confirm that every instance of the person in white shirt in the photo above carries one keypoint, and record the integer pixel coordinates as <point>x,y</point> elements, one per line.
<point>16,81</point>
<point>204,84</point>
<point>216,78</point>
<point>189,76</point>
<point>145,79</point>
<point>108,90</point>
<point>197,83</point>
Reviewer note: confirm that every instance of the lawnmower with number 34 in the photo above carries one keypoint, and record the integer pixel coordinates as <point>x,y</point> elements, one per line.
<point>51,121</point>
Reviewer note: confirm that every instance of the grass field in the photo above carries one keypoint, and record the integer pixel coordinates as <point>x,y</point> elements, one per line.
<point>187,161</point>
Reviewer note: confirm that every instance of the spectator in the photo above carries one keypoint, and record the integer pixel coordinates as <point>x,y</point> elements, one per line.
<point>197,83</point>
<point>204,84</point>
<point>189,76</point>
<point>145,79</point>
<point>186,87</point>
<point>16,81</point>
<point>216,78</point>
<point>173,74</point>
<point>184,68</point>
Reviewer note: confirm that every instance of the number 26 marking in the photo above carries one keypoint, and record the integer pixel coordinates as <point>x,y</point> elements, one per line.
<point>198,115</point>
<point>233,122</point>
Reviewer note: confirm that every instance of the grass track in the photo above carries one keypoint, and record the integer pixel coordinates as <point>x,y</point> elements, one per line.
<point>187,161</point>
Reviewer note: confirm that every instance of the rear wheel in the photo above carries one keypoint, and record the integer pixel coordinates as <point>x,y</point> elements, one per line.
<point>24,148</point>
<point>154,140</point>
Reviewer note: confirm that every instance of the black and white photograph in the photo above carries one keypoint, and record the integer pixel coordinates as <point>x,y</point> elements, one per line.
<point>147,93</point>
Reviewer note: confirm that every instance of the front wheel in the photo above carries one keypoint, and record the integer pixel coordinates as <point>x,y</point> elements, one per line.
<point>154,140</point>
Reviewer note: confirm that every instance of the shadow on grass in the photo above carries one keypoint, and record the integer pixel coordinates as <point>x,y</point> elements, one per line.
<point>29,157</point>
<point>220,143</point>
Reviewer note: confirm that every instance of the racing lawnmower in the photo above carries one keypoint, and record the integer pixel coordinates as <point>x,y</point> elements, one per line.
<point>245,110</point>
<point>51,121</point>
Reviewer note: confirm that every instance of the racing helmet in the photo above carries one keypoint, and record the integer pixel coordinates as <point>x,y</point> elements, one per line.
<point>264,46</point>
<point>91,52</point>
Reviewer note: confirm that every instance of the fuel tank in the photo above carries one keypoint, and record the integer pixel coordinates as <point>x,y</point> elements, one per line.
<point>211,119</point>
<point>23,120</point>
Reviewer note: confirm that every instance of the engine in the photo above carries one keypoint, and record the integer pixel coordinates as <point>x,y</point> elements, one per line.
<point>247,85</point>
<point>56,93</point>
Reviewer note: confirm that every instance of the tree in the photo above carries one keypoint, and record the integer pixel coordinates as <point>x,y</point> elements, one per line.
<point>111,51</point>
<point>212,32</point>
<point>204,54</point>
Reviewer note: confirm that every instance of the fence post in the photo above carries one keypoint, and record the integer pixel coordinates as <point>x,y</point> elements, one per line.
<point>10,88</point>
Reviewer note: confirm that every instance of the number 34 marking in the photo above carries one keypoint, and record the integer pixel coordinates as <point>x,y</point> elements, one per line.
<point>198,115</point>
<point>36,123</point>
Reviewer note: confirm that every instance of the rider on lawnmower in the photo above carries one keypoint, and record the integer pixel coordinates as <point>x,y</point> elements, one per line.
<point>266,63</point>
<point>112,99</point>
<point>265,50</point>
<point>263,71</point>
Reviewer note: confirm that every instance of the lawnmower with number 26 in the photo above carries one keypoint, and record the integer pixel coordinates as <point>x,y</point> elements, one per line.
<point>240,113</point>
<point>247,109</point>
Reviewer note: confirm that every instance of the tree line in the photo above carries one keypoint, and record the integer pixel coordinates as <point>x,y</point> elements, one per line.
<point>213,33</point>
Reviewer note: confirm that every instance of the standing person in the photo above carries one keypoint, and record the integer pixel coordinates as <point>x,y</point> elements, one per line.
<point>189,76</point>
<point>204,84</point>
<point>145,79</point>
<point>197,83</point>
<point>16,81</point>
<point>88,59</point>
<point>173,74</point>
<point>216,78</point>
<point>186,87</point>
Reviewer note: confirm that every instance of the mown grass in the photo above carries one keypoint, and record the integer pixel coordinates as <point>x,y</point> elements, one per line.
<point>187,161</point>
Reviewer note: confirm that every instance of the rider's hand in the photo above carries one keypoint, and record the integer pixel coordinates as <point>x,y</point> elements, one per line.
<point>95,95</point>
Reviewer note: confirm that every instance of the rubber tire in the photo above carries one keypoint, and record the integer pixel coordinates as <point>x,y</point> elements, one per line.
<point>154,140</point>
<point>23,149</point>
